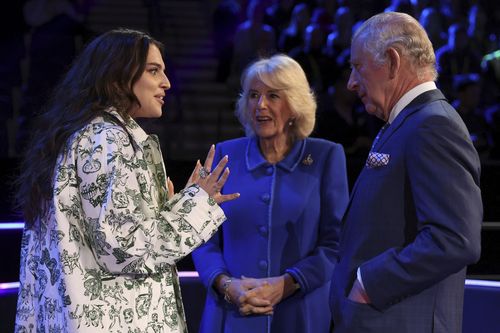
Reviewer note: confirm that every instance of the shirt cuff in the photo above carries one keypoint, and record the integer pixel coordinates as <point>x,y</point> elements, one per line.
<point>358,274</point>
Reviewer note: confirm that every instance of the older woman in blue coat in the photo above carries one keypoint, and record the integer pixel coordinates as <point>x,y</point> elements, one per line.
<point>269,268</point>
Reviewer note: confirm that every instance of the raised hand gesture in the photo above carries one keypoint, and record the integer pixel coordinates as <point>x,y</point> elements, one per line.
<point>212,182</point>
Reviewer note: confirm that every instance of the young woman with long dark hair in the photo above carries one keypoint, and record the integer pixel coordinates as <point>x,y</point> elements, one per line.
<point>103,226</point>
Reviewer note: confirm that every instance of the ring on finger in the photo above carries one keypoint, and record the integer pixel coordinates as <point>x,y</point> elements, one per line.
<point>203,173</point>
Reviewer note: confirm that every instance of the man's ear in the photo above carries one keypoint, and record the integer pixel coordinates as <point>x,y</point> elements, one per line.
<point>394,61</point>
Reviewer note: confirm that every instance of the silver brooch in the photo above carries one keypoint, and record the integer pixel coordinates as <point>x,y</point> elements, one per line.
<point>308,160</point>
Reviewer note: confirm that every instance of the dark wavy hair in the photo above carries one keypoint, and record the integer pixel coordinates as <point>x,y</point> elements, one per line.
<point>102,76</point>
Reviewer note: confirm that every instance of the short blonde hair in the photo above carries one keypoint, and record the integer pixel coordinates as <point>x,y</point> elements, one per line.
<point>402,32</point>
<point>280,72</point>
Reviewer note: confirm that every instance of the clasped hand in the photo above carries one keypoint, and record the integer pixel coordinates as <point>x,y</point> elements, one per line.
<point>212,182</point>
<point>256,296</point>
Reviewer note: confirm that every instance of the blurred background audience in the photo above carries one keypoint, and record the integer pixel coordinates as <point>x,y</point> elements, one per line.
<point>42,37</point>
<point>317,33</point>
<point>208,44</point>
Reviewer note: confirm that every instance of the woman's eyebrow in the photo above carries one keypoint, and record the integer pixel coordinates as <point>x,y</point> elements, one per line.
<point>154,64</point>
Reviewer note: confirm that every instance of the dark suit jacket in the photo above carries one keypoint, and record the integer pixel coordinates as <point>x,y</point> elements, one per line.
<point>412,226</point>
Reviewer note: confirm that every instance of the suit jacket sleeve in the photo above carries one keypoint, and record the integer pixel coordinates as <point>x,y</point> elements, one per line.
<point>443,173</point>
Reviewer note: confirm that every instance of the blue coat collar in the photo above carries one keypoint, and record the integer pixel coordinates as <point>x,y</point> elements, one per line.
<point>255,159</point>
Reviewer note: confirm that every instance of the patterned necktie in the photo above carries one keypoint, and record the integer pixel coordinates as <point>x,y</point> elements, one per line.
<point>379,134</point>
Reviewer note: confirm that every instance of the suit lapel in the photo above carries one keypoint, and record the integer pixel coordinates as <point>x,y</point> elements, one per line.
<point>415,105</point>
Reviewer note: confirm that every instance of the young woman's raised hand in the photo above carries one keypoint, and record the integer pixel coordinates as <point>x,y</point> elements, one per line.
<point>212,182</point>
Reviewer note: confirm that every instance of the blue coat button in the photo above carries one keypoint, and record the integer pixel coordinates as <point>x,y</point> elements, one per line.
<point>263,264</point>
<point>263,230</point>
<point>270,170</point>
<point>266,197</point>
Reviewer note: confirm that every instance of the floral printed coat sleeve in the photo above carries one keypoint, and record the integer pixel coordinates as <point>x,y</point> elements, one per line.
<point>103,258</point>
<point>129,223</point>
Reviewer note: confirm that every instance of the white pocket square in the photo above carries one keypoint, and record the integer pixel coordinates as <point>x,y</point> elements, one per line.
<point>376,160</point>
